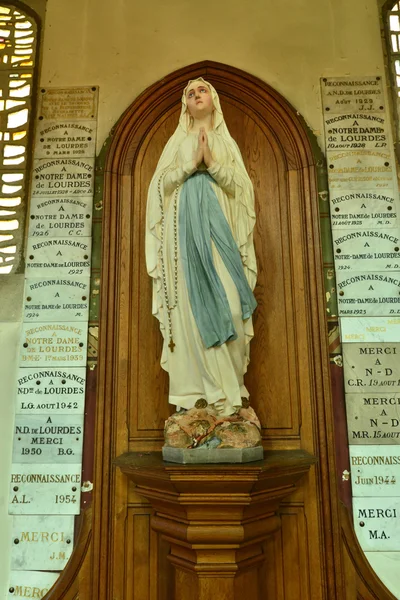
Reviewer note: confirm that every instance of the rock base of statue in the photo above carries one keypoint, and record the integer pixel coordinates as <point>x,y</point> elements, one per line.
<point>201,435</point>
<point>187,456</point>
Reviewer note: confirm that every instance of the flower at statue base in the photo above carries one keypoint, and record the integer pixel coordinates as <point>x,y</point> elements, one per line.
<point>205,428</point>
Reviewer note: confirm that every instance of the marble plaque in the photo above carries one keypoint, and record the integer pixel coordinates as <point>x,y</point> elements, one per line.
<point>30,584</point>
<point>368,294</point>
<point>370,368</point>
<point>377,523</point>
<point>53,345</point>
<point>41,542</point>
<point>58,217</point>
<point>68,103</point>
<point>48,439</point>
<point>373,418</point>
<point>387,566</point>
<point>344,94</point>
<point>356,130</point>
<point>55,139</point>
<point>58,256</point>
<point>363,209</point>
<point>370,329</point>
<point>54,299</point>
<point>366,250</point>
<point>45,489</point>
<point>375,470</point>
<point>360,169</point>
<point>51,391</point>
<point>61,177</point>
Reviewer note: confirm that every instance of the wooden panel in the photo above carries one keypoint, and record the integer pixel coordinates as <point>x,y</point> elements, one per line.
<point>288,375</point>
<point>148,573</point>
<point>295,554</point>
<point>272,573</point>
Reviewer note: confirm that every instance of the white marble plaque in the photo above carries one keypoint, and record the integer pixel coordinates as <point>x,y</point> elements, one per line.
<point>30,584</point>
<point>62,177</point>
<point>58,256</point>
<point>375,470</point>
<point>377,523</point>
<point>41,542</point>
<point>363,209</point>
<point>48,439</point>
<point>370,329</point>
<point>53,345</point>
<point>56,299</point>
<point>387,566</point>
<point>51,391</point>
<point>68,138</point>
<point>58,217</point>
<point>356,130</point>
<point>360,169</point>
<point>368,294</point>
<point>45,489</point>
<point>370,368</point>
<point>68,103</point>
<point>360,94</point>
<point>366,250</point>
<point>373,418</point>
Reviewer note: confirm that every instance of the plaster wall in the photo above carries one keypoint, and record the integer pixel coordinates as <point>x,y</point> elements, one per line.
<point>124,46</point>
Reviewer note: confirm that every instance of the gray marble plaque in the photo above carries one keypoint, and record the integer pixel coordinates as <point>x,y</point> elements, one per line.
<point>68,103</point>
<point>370,329</point>
<point>62,177</point>
<point>53,345</point>
<point>56,299</point>
<point>344,94</point>
<point>58,256</point>
<point>67,138</point>
<point>58,217</point>
<point>377,523</point>
<point>30,584</point>
<point>360,169</point>
<point>368,294</point>
<point>45,489</point>
<point>370,368</point>
<point>366,250</point>
<point>51,391</point>
<point>363,209</point>
<point>356,130</point>
<point>41,542</point>
<point>375,470</point>
<point>373,418</point>
<point>48,439</point>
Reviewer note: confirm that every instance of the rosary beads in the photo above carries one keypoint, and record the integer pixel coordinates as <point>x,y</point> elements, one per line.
<point>167,303</point>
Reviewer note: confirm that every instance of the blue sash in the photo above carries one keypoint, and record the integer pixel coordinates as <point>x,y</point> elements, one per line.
<point>201,220</point>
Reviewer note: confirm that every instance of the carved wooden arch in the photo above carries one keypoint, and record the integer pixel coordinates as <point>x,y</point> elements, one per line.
<point>310,413</point>
<point>101,566</point>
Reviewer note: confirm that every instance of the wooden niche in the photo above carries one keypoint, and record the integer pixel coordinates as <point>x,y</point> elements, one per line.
<point>288,375</point>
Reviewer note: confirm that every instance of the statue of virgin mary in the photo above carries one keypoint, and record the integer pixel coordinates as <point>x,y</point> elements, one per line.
<point>200,255</point>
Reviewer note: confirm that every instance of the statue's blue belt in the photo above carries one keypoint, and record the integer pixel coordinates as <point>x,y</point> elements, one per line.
<point>201,221</point>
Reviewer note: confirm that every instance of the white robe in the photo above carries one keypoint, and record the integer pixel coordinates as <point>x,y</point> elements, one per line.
<point>195,371</point>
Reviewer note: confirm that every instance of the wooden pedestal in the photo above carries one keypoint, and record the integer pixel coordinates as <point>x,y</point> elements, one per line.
<point>216,517</point>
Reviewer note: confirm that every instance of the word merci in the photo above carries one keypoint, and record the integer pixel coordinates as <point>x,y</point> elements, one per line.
<point>29,591</point>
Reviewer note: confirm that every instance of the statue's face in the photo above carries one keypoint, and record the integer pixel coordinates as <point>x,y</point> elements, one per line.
<point>199,100</point>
